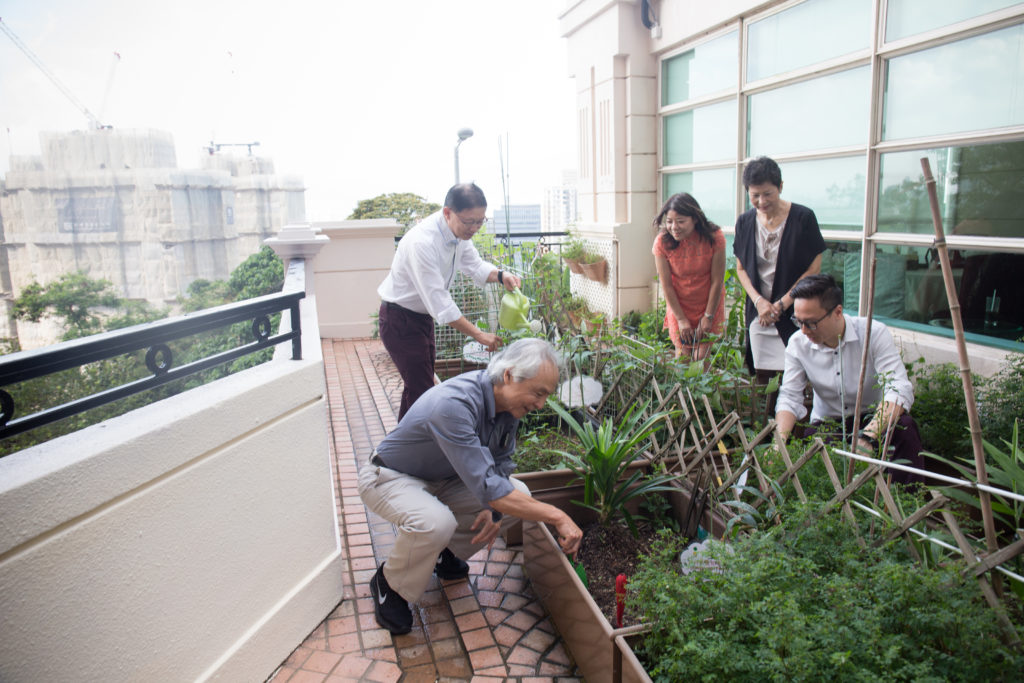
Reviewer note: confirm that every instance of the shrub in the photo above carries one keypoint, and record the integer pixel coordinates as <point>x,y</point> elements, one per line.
<point>941,410</point>
<point>805,601</point>
<point>1001,400</point>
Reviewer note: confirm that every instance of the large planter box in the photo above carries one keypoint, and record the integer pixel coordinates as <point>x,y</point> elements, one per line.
<point>543,484</point>
<point>587,633</point>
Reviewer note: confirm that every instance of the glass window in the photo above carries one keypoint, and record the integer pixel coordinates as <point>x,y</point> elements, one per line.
<point>909,287</point>
<point>979,190</point>
<point>808,33</point>
<point>715,190</point>
<point>701,134</point>
<point>972,84</point>
<point>791,119</point>
<point>908,17</point>
<point>705,69</point>
<point>834,262</point>
<point>833,188</point>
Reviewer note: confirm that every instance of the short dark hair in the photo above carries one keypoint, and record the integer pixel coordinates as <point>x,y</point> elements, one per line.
<point>760,171</point>
<point>465,196</point>
<point>822,287</point>
<point>684,204</point>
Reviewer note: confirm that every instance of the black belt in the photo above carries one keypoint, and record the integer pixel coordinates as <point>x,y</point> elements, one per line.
<point>395,307</point>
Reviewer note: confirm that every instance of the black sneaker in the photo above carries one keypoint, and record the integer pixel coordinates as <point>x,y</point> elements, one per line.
<point>392,610</point>
<point>449,567</point>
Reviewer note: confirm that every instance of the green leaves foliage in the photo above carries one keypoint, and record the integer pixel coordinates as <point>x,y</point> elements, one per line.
<point>805,602</point>
<point>606,453</point>
<point>405,207</point>
<point>73,297</point>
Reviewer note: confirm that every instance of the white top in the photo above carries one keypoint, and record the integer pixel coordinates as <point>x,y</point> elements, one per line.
<point>833,373</point>
<point>768,256</point>
<point>424,267</point>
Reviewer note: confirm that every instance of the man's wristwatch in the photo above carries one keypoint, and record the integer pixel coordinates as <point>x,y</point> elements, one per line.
<point>870,439</point>
<point>501,277</point>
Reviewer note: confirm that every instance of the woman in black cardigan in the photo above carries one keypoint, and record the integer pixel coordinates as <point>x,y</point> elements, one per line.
<point>777,243</point>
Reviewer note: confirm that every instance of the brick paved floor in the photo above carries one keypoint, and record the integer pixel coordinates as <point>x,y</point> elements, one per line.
<point>490,627</point>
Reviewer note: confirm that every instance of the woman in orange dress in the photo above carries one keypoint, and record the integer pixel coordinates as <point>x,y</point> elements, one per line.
<point>689,253</point>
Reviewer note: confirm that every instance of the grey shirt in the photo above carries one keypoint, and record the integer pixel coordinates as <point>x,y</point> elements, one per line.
<point>452,431</point>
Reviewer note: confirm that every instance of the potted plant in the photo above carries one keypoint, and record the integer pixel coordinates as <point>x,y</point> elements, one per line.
<point>573,253</point>
<point>583,261</point>
<point>594,267</point>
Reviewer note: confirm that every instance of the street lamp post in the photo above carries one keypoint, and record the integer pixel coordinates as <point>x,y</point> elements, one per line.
<point>463,134</point>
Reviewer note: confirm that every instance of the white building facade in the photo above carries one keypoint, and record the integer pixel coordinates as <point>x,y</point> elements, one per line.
<point>848,96</point>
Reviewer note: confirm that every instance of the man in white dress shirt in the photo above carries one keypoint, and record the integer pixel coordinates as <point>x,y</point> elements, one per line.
<point>826,351</point>
<point>415,292</point>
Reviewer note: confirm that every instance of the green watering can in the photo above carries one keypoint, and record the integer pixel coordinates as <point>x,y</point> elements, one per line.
<point>514,311</point>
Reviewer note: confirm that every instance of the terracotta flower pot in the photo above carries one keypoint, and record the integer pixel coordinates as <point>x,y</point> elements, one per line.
<point>596,271</point>
<point>574,265</point>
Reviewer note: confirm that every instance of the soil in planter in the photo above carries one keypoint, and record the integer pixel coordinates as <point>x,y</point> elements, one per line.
<point>606,552</point>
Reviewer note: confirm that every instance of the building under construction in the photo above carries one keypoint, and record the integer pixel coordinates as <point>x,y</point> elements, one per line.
<point>113,204</point>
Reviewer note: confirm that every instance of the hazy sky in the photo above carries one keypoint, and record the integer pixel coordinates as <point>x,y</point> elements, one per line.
<point>357,97</point>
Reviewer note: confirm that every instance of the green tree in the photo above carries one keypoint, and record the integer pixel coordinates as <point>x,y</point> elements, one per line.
<point>405,207</point>
<point>260,274</point>
<point>73,297</point>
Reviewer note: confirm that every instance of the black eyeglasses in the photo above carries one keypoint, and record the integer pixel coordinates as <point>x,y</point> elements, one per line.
<point>471,223</point>
<point>812,325</point>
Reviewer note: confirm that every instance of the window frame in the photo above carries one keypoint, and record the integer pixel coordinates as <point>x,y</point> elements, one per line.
<point>877,55</point>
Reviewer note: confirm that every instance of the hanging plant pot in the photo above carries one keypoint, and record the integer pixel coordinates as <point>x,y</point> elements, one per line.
<point>596,271</point>
<point>574,265</point>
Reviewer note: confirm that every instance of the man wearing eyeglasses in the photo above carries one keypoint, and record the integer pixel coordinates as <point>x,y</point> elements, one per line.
<point>415,292</point>
<point>826,351</point>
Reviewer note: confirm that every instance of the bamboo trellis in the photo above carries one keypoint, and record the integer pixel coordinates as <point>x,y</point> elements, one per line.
<point>711,452</point>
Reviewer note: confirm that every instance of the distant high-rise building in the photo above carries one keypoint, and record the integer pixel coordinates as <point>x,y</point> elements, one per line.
<point>521,218</point>
<point>560,205</point>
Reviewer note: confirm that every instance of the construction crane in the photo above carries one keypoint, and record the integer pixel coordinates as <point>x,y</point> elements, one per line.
<point>214,147</point>
<point>94,121</point>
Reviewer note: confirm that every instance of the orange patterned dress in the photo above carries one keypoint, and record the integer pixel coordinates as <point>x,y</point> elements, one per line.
<point>690,264</point>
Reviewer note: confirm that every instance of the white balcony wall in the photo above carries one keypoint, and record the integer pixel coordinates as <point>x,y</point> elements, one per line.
<point>193,539</point>
<point>348,270</point>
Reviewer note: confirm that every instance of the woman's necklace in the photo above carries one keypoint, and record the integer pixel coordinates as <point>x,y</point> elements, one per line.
<point>771,222</point>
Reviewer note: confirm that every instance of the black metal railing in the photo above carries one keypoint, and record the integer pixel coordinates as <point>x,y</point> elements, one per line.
<point>154,337</point>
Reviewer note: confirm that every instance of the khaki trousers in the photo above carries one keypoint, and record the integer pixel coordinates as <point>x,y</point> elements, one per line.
<point>429,517</point>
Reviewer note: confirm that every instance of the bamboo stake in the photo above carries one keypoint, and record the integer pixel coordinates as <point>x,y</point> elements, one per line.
<point>965,366</point>
<point>863,366</point>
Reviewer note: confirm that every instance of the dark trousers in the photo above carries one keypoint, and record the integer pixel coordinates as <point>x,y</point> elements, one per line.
<point>905,442</point>
<point>409,338</point>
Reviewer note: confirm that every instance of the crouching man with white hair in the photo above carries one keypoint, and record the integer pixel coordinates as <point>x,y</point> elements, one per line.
<point>443,476</point>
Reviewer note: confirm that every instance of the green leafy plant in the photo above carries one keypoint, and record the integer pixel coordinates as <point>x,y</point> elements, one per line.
<point>1005,469</point>
<point>607,452</point>
<point>1001,399</point>
<point>806,601</point>
<point>751,518</point>
<point>939,401</point>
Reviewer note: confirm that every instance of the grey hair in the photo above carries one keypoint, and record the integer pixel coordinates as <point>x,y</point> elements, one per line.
<point>524,357</point>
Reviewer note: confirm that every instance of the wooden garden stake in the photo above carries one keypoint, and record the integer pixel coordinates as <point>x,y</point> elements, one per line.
<point>863,368</point>
<point>965,366</point>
